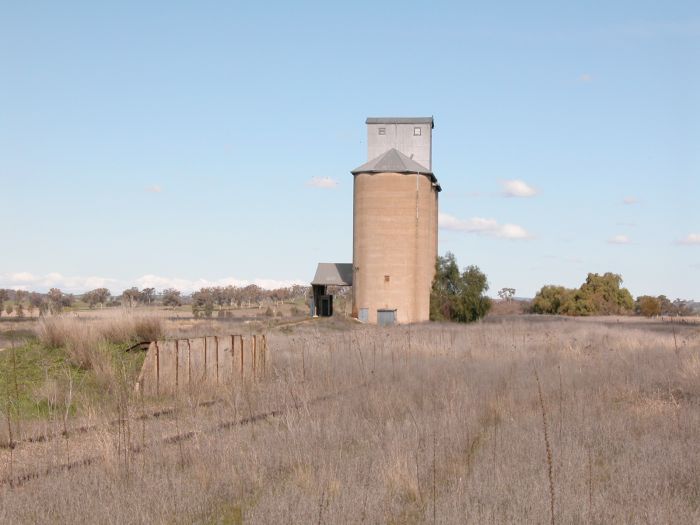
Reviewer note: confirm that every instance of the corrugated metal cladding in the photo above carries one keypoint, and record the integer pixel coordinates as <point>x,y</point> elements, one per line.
<point>412,136</point>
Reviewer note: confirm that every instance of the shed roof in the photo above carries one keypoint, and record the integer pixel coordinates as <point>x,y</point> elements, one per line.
<point>401,120</point>
<point>338,274</point>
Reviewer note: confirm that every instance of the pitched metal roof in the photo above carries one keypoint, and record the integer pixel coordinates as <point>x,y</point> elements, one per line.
<point>338,274</point>
<point>401,120</point>
<point>393,161</point>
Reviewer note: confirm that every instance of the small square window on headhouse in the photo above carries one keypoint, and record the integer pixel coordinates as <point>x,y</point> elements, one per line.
<point>416,132</point>
<point>386,278</point>
<point>382,131</point>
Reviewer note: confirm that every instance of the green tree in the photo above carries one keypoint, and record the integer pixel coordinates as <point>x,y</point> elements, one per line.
<point>648,306</point>
<point>606,294</point>
<point>577,304</point>
<point>599,295</point>
<point>682,307</point>
<point>93,297</point>
<point>55,300</point>
<point>147,295</point>
<point>3,297</point>
<point>551,300</point>
<point>677,307</point>
<point>131,296</point>
<point>20,297</point>
<point>172,297</point>
<point>506,294</point>
<point>37,300</point>
<point>252,294</point>
<point>90,298</point>
<point>203,302</point>
<point>102,295</point>
<point>458,296</point>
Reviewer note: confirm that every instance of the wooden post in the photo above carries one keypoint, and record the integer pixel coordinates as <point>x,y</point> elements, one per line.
<point>189,363</point>
<point>233,355</point>
<point>255,356</point>
<point>242,350</point>
<point>177,362</point>
<point>205,358</point>
<point>264,354</point>
<point>216,339</point>
<point>157,368</point>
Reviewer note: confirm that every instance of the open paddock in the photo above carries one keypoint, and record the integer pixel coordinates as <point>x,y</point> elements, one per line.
<point>515,420</point>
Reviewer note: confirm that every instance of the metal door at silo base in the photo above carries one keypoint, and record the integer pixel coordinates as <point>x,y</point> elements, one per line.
<point>386,317</point>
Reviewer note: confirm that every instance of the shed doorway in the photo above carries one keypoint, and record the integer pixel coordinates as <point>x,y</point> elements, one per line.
<point>326,309</point>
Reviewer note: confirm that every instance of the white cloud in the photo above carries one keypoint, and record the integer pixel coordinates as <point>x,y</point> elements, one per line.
<point>154,189</point>
<point>690,239</point>
<point>21,277</point>
<point>189,285</point>
<point>585,77</point>
<point>630,200</point>
<point>517,188</point>
<point>28,281</point>
<point>619,239</point>
<point>78,284</point>
<point>481,226</point>
<point>322,182</point>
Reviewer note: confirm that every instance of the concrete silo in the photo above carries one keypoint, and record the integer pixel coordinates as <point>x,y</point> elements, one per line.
<point>395,228</point>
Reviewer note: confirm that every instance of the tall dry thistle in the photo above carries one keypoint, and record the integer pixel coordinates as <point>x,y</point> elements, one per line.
<point>548,448</point>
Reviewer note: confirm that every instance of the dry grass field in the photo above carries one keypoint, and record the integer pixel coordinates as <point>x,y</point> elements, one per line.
<point>519,420</point>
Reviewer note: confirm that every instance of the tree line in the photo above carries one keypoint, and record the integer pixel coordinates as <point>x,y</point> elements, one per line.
<point>54,301</point>
<point>456,295</point>
<point>604,295</point>
<point>460,295</point>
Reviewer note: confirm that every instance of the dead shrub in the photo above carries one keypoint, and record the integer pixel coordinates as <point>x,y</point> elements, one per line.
<point>148,328</point>
<point>81,350</point>
<point>53,332</point>
<point>61,331</point>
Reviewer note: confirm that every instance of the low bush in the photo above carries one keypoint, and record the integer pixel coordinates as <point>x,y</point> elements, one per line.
<point>63,331</point>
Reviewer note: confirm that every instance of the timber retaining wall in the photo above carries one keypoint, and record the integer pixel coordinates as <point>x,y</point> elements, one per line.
<point>174,365</point>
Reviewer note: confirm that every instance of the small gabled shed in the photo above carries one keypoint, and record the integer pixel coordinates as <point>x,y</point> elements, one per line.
<point>328,274</point>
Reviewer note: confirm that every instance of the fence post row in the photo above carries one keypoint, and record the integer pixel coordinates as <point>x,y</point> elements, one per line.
<point>170,355</point>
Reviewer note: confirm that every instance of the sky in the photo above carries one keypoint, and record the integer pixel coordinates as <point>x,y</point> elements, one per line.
<point>190,144</point>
